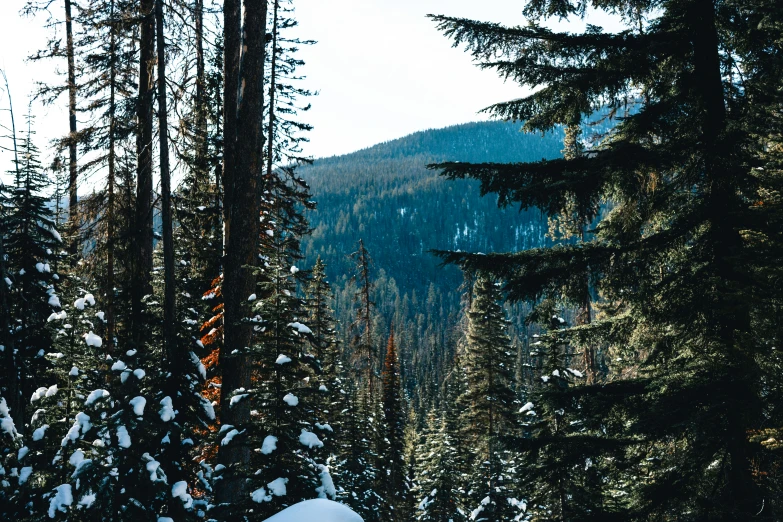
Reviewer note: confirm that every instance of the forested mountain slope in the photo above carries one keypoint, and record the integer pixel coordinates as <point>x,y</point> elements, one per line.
<point>386,196</point>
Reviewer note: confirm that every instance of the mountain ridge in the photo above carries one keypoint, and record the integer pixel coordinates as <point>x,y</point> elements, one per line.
<point>386,196</point>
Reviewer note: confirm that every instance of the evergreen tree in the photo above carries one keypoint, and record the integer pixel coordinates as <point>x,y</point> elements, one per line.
<point>30,242</point>
<point>392,461</point>
<point>680,257</point>
<point>363,345</point>
<point>323,341</point>
<point>489,402</point>
<point>284,130</point>
<point>437,474</point>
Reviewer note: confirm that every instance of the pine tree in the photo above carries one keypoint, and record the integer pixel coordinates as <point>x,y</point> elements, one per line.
<point>679,255</point>
<point>30,242</point>
<point>363,345</point>
<point>56,50</point>
<point>392,461</point>
<point>437,474</point>
<point>328,365</point>
<point>489,402</point>
<point>285,131</point>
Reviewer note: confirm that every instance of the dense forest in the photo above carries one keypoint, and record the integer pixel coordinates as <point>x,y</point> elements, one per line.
<point>567,315</point>
<point>386,196</point>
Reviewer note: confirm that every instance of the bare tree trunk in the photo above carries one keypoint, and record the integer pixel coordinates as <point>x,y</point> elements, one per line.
<point>243,210</point>
<point>175,359</point>
<point>201,116</point>
<point>169,300</point>
<point>583,317</point>
<point>270,143</point>
<point>232,36</point>
<point>143,233</point>
<point>110,323</point>
<point>72,167</point>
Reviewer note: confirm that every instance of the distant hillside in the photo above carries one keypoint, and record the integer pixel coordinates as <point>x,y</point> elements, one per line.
<point>386,196</point>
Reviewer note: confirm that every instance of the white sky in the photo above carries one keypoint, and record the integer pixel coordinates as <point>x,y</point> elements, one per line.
<point>381,67</point>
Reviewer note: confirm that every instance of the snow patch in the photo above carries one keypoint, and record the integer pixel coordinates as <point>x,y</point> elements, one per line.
<point>95,395</point>
<point>93,340</point>
<point>299,327</point>
<point>180,490</point>
<point>310,439</point>
<point>39,433</point>
<point>167,411</point>
<point>237,399</point>
<point>122,437</point>
<point>62,499</point>
<point>138,404</point>
<point>230,436</point>
<point>326,489</point>
<point>269,445</point>
<point>24,474</point>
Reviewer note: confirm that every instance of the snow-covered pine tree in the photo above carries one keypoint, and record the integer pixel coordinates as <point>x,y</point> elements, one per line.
<point>489,403</point>
<point>454,386</point>
<point>560,471</point>
<point>31,243</point>
<point>329,373</point>
<point>406,509</point>
<point>437,478</point>
<point>286,432</point>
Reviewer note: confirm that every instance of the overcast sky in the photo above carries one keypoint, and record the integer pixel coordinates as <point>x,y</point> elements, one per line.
<point>381,67</point>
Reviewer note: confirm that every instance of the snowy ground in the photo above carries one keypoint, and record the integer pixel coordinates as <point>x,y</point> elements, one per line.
<point>316,510</point>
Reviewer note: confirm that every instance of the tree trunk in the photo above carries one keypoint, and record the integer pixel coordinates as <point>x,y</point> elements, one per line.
<point>175,359</point>
<point>232,36</point>
<point>110,233</point>
<point>243,208</point>
<point>270,143</point>
<point>201,113</point>
<point>730,319</point>
<point>143,234</point>
<point>583,317</point>
<point>72,167</point>
<point>169,299</point>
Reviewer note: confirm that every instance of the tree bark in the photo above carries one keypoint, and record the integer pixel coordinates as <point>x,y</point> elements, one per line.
<point>730,320</point>
<point>583,317</point>
<point>201,113</point>
<point>174,357</point>
<point>243,208</point>
<point>143,233</point>
<point>232,36</point>
<point>110,217</point>
<point>72,166</point>
<point>270,143</point>
<point>169,299</point>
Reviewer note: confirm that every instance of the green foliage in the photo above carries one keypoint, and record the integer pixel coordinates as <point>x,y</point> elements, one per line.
<point>680,260</point>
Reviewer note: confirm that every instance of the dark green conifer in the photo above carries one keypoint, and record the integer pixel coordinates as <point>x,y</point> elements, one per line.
<point>679,253</point>
<point>488,403</point>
